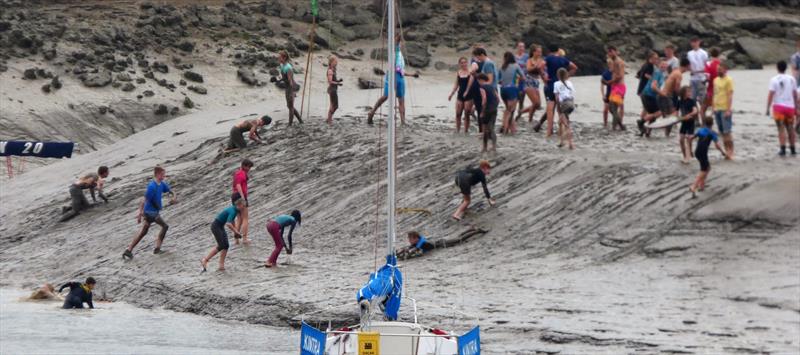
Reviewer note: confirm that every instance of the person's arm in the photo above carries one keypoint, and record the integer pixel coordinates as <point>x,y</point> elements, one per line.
<point>254,133</point>
<point>603,89</point>
<point>572,68</point>
<point>770,97</point>
<point>724,154</point>
<point>483,102</point>
<point>730,102</point>
<point>173,197</point>
<point>290,76</point>
<point>486,191</point>
<point>100,184</point>
<point>691,114</point>
<point>89,300</point>
<point>455,87</point>
<point>330,78</point>
<point>232,227</point>
<point>291,229</point>
<point>68,284</point>
<point>91,192</point>
<point>141,210</point>
<point>654,86</point>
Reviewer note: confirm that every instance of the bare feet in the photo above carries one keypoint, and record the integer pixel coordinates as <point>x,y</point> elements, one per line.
<point>269,265</point>
<point>221,268</point>
<point>246,241</point>
<point>204,264</point>
<point>457,217</point>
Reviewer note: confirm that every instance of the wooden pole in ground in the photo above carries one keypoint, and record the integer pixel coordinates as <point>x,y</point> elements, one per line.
<point>307,75</point>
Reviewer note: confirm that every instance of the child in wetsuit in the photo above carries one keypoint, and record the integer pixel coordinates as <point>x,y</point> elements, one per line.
<point>78,293</point>
<point>704,138</point>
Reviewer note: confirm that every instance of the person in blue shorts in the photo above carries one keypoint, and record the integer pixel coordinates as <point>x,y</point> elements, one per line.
<point>510,76</point>
<point>150,208</point>
<point>554,61</point>
<point>399,84</point>
<point>224,219</point>
<point>704,138</point>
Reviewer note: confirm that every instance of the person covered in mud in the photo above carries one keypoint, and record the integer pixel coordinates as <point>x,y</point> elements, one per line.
<point>418,243</point>
<point>79,293</point>
<point>150,208</point>
<point>236,141</point>
<point>46,292</point>
<point>704,138</point>
<point>275,228</point>
<point>465,179</point>
<point>334,82</point>
<point>224,219</point>
<point>240,179</point>
<point>287,77</point>
<point>94,182</point>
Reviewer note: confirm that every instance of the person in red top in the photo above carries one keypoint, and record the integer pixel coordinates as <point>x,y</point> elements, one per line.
<point>712,68</point>
<point>240,191</point>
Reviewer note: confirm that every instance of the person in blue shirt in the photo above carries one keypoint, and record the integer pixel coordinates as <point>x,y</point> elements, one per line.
<point>418,242</point>
<point>226,218</point>
<point>275,228</point>
<point>704,138</point>
<point>554,61</point>
<point>650,98</point>
<point>79,293</point>
<point>150,208</point>
<point>399,83</point>
<point>605,90</point>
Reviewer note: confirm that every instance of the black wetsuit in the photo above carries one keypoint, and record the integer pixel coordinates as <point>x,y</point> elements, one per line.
<point>465,179</point>
<point>77,295</point>
<point>704,138</point>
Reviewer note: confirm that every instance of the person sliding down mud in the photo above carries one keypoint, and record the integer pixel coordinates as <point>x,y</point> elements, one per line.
<point>275,228</point>
<point>465,179</point>
<point>236,141</point>
<point>79,293</point>
<point>417,245</point>
<point>224,218</point>
<point>150,208</point>
<point>93,182</point>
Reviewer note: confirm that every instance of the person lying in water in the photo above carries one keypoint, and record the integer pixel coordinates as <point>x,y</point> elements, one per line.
<point>46,292</point>
<point>79,293</point>
<point>236,141</point>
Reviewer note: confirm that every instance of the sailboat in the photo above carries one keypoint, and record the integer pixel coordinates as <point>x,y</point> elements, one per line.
<point>384,289</point>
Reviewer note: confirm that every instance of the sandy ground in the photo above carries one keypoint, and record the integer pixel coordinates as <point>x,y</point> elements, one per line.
<point>597,250</point>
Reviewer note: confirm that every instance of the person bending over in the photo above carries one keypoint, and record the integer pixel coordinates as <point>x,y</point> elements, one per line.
<point>465,179</point>
<point>236,141</point>
<point>79,293</point>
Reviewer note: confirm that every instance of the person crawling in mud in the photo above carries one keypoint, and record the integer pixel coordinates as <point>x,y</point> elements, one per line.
<point>93,182</point>
<point>79,293</point>
<point>417,245</point>
<point>150,208</point>
<point>46,292</point>
<point>236,141</point>
<point>465,179</point>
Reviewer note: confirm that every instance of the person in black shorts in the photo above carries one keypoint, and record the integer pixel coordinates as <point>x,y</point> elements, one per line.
<point>488,114</point>
<point>704,138</point>
<point>333,87</point>
<point>465,179</point>
<point>224,218</point>
<point>688,108</point>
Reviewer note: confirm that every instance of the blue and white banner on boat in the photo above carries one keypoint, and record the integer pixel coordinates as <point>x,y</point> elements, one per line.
<point>37,149</point>
<point>385,285</point>
<point>312,341</point>
<point>470,343</point>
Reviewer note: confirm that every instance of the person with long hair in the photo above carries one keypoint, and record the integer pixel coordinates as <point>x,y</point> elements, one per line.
<point>534,73</point>
<point>399,84</point>
<point>333,85</point>
<point>462,99</point>
<point>275,228</point>
<point>287,77</point>
<point>565,100</point>
<point>510,75</point>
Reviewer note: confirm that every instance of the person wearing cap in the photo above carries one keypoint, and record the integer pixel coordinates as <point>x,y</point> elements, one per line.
<point>236,141</point>
<point>79,293</point>
<point>467,178</point>
<point>93,182</point>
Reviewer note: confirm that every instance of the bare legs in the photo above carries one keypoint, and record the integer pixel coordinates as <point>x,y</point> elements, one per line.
<point>243,225</point>
<point>401,106</point>
<point>565,131</point>
<point>685,141</point>
<point>536,103</point>
<point>145,229</point>
<point>509,124</point>
<point>211,254</point>
<point>290,105</point>
<point>459,113</point>
<point>462,207</point>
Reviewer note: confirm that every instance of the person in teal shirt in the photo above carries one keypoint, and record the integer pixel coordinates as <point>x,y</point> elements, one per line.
<point>223,219</point>
<point>400,84</point>
<point>275,228</point>
<point>287,77</point>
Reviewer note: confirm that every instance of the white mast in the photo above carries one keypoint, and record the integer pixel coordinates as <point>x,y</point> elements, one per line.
<point>391,210</point>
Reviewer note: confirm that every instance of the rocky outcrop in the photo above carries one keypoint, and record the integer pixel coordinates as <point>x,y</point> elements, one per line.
<point>96,80</point>
<point>765,50</point>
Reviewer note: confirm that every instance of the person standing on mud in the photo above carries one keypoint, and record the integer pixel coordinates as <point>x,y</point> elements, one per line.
<point>782,98</point>
<point>704,138</point>
<point>223,219</point>
<point>698,80</point>
<point>275,228</point>
<point>487,117</point>
<point>333,87</point>
<point>399,83</point>
<point>565,99</point>
<point>150,209</point>
<point>521,57</point>
<point>287,77</point>
<point>688,117</point>
<point>462,100</point>
<point>534,68</point>
<point>236,141</point>
<point>644,75</point>
<point>712,71</point>
<point>723,108</point>
<point>240,192</point>
<point>79,293</point>
<point>616,100</point>
<point>467,178</point>
<point>93,182</point>
<point>553,62</point>
<point>510,76</point>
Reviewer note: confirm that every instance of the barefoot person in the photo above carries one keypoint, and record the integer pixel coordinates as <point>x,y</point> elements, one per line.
<point>79,293</point>
<point>521,56</point>
<point>650,98</point>
<point>93,182</point>
<point>46,292</point>
<point>689,114</point>
<point>565,99</point>
<point>616,100</point>
<point>333,87</point>
<point>509,78</point>
<point>465,179</point>
<point>605,90</point>
<point>554,62</point>
<point>460,89</point>
<point>644,75</point>
<point>224,219</point>
<point>399,84</point>
<point>723,107</point>
<point>488,115</point>
<point>240,178</point>
<point>236,141</point>
<point>704,138</point>
<point>150,208</point>
<point>534,70</point>
<point>287,77</point>
<point>275,228</point>
<point>782,98</point>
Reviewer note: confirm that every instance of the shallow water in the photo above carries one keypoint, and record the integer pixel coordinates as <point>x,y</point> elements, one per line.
<point>42,327</point>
